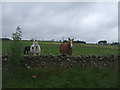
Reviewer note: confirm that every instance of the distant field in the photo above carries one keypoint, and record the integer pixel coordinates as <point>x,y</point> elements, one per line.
<point>78,49</point>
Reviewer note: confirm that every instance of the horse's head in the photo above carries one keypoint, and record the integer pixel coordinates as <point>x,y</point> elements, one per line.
<point>70,41</point>
<point>35,43</point>
<point>35,48</point>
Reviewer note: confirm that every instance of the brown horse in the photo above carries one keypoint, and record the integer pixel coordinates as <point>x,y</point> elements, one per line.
<point>66,48</point>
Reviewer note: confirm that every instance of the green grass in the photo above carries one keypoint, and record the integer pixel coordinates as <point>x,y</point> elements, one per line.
<point>54,77</point>
<point>78,49</point>
<point>87,50</point>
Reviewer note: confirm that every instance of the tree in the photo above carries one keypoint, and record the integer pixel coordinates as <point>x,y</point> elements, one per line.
<point>18,34</point>
<point>52,39</point>
<point>102,42</point>
<point>82,42</point>
<point>114,43</point>
<point>60,41</point>
<point>65,41</point>
<point>32,40</point>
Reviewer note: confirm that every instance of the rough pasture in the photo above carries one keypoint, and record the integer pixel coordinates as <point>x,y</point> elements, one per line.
<point>89,67</point>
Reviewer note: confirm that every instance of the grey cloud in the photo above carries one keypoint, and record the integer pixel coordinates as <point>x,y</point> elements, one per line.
<point>84,21</point>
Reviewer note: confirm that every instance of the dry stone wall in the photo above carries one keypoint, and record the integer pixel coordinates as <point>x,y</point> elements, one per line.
<point>65,61</point>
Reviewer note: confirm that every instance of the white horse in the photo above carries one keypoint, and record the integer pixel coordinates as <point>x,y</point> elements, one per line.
<point>35,48</point>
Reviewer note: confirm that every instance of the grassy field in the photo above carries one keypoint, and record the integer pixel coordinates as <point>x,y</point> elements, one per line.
<point>55,77</point>
<point>78,49</point>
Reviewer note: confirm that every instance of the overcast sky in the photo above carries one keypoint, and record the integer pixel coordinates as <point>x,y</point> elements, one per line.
<point>86,21</point>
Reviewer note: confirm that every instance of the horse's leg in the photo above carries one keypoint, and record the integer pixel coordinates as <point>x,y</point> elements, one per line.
<point>27,51</point>
<point>34,54</point>
<point>24,52</point>
<point>70,52</point>
<point>38,53</point>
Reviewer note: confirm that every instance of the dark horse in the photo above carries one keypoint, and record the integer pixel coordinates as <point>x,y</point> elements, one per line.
<point>26,50</point>
<point>66,48</point>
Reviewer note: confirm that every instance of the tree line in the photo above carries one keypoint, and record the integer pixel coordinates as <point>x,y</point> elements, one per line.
<point>18,36</point>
